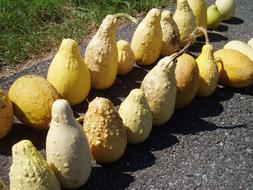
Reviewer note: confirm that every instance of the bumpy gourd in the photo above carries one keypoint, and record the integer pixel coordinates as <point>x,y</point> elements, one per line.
<point>226,8</point>
<point>69,74</point>
<point>32,97</point>
<point>29,170</point>
<point>67,147</point>
<point>6,114</point>
<point>185,21</point>
<point>147,38</point>
<point>136,116</point>
<point>199,9</point>
<point>187,77</point>
<point>2,185</point>
<point>208,70</point>
<point>213,17</point>
<point>125,57</point>
<point>170,34</point>
<point>105,131</point>
<point>250,43</point>
<point>236,69</point>
<point>241,47</point>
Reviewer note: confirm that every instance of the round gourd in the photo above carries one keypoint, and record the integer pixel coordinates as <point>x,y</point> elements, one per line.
<point>236,69</point>
<point>125,57</point>
<point>250,43</point>
<point>226,8</point>
<point>32,97</point>
<point>6,114</point>
<point>69,74</point>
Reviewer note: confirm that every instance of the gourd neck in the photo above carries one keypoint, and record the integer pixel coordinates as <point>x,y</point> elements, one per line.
<point>183,5</point>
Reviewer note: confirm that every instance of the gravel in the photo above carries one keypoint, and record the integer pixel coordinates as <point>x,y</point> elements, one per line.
<point>206,145</point>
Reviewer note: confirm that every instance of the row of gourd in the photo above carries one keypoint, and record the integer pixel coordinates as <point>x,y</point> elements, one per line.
<point>173,82</point>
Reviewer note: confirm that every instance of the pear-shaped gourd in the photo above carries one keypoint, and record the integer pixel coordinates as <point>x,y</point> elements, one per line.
<point>147,38</point>
<point>213,17</point>
<point>160,87</point>
<point>170,34</point>
<point>32,97</point>
<point>136,116</point>
<point>69,74</point>
<point>6,114</point>
<point>2,185</point>
<point>29,170</point>
<point>187,77</point>
<point>67,147</point>
<point>125,57</point>
<point>250,43</point>
<point>241,47</point>
<point>105,131</point>
<point>185,21</point>
<point>208,70</point>
<point>199,9</point>
<point>236,69</point>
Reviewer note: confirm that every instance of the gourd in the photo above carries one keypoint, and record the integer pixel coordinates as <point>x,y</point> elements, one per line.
<point>199,9</point>
<point>187,77</point>
<point>170,34</point>
<point>159,86</point>
<point>101,54</point>
<point>213,17</point>
<point>67,147</point>
<point>32,97</point>
<point>185,21</point>
<point>147,39</point>
<point>208,70</point>
<point>6,114</point>
<point>136,116</point>
<point>105,131</point>
<point>29,170</point>
<point>2,185</point>
<point>126,57</point>
<point>250,43</point>
<point>241,47</point>
<point>226,8</point>
<point>236,69</point>
<point>69,74</point>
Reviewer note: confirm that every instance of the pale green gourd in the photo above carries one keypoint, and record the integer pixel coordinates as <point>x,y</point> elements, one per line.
<point>67,147</point>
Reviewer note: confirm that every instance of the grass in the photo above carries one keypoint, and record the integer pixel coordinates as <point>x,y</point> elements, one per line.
<point>29,28</point>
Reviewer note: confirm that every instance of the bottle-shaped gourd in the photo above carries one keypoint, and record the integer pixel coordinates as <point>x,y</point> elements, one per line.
<point>101,54</point>
<point>105,131</point>
<point>170,34</point>
<point>136,116</point>
<point>147,38</point>
<point>67,147</point>
<point>29,170</point>
<point>69,74</point>
<point>185,21</point>
<point>208,70</point>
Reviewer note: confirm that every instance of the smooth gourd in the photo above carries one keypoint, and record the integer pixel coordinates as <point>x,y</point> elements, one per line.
<point>213,17</point>
<point>69,74</point>
<point>32,97</point>
<point>208,70</point>
<point>241,47</point>
<point>199,9</point>
<point>250,43</point>
<point>236,69</point>
<point>226,8</point>
<point>187,77</point>
<point>185,21</point>
<point>126,57</point>
<point>101,54</point>
<point>170,34</point>
<point>6,114</point>
<point>67,147</point>
<point>29,170</point>
<point>160,86</point>
<point>147,38</point>
<point>136,116</point>
<point>105,131</point>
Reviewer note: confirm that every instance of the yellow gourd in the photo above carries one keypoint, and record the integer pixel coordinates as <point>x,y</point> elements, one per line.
<point>199,9</point>
<point>69,74</point>
<point>29,170</point>
<point>32,97</point>
<point>147,38</point>
<point>6,114</point>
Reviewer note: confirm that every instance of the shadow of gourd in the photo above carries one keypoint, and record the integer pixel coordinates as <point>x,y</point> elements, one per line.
<point>234,20</point>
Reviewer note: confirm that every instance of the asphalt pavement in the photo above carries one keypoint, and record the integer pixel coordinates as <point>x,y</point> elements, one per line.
<point>206,145</point>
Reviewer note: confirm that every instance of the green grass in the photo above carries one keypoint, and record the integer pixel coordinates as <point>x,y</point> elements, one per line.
<point>29,28</point>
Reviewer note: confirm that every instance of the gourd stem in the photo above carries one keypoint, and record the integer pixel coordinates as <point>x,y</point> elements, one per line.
<point>181,51</point>
<point>126,16</point>
<point>80,119</point>
<point>204,31</point>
